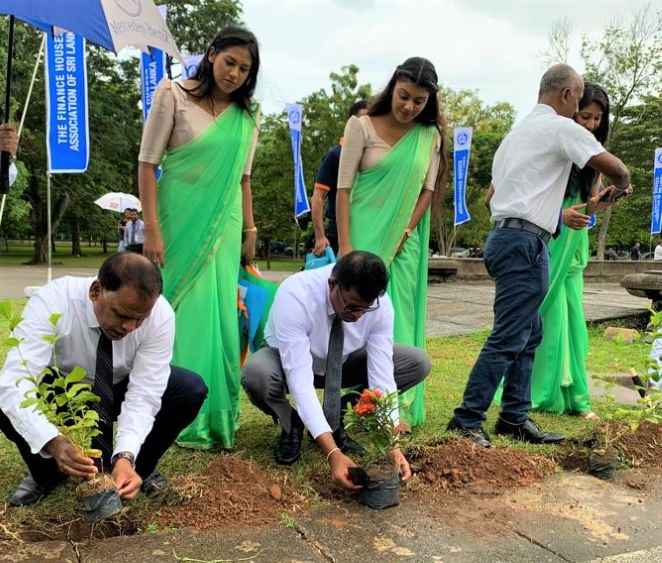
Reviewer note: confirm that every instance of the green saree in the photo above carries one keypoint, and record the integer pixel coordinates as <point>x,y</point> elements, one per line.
<point>200,212</point>
<point>382,202</point>
<point>559,383</point>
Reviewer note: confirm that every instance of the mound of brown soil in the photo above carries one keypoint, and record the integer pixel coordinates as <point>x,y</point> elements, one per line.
<point>642,448</point>
<point>231,492</point>
<point>460,465</point>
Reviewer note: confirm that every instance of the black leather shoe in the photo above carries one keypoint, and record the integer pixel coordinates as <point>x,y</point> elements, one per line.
<point>346,444</point>
<point>477,435</point>
<point>30,492</point>
<point>528,431</point>
<point>155,485</point>
<point>288,447</point>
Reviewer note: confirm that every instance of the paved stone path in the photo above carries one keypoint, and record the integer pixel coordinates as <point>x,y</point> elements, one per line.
<point>453,308</point>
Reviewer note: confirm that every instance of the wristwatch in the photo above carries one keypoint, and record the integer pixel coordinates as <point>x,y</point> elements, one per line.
<point>124,455</point>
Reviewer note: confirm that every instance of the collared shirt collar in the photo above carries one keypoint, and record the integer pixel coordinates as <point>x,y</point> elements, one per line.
<point>330,311</point>
<point>544,108</point>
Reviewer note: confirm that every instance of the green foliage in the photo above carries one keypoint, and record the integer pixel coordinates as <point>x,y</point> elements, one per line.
<point>61,397</point>
<point>371,419</point>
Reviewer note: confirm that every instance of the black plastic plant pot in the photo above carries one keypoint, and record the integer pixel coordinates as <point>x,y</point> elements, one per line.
<point>101,505</point>
<point>379,494</point>
<point>602,464</point>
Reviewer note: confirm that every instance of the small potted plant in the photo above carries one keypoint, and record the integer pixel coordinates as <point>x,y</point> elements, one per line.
<point>65,400</point>
<point>372,422</point>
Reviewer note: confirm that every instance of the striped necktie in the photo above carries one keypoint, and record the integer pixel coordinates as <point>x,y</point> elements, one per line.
<point>103,387</point>
<point>333,375</point>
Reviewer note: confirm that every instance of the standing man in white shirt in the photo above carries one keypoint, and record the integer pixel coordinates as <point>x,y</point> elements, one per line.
<point>657,256</point>
<point>134,232</point>
<point>120,329</point>
<point>330,328</point>
<point>530,172</point>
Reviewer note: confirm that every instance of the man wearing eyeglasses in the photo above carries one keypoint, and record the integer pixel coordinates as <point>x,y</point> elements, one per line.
<point>330,328</point>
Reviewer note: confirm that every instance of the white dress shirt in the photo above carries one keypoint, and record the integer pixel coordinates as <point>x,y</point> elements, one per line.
<point>144,354</point>
<point>134,229</point>
<point>532,165</point>
<point>299,326</point>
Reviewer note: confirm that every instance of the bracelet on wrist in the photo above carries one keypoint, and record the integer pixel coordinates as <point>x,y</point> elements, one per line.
<point>251,230</point>
<point>331,452</point>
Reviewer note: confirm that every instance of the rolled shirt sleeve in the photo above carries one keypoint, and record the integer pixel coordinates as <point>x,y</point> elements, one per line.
<point>33,426</point>
<point>379,349</point>
<point>577,143</point>
<point>292,327</point>
<point>147,383</point>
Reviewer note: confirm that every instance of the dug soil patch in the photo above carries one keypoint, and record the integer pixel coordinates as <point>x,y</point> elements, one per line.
<point>459,466</point>
<point>642,448</point>
<point>231,492</point>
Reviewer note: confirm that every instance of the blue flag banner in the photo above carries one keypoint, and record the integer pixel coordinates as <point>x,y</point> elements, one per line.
<point>656,219</point>
<point>461,155</point>
<point>152,71</point>
<point>295,119</point>
<point>67,132</point>
<point>592,221</point>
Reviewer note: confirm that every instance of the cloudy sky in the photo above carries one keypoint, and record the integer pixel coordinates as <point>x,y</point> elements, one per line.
<point>492,46</point>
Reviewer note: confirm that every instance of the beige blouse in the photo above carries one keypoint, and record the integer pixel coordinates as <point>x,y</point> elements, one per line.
<point>175,119</point>
<point>363,148</point>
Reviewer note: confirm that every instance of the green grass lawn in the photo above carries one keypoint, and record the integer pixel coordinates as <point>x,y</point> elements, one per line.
<point>20,252</point>
<point>452,359</point>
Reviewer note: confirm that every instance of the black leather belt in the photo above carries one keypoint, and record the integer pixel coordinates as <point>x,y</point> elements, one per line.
<point>523,225</point>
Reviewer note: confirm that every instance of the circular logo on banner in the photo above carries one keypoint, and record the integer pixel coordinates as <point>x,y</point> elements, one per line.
<point>462,139</point>
<point>131,8</point>
<point>659,158</point>
<point>295,117</point>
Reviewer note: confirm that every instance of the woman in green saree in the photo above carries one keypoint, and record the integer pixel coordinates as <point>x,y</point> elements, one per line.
<point>203,132</point>
<point>559,383</point>
<point>393,168</point>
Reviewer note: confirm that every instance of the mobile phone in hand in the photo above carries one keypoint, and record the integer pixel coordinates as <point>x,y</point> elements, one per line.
<point>613,195</point>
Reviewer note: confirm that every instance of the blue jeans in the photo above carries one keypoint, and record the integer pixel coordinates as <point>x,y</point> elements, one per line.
<point>519,263</point>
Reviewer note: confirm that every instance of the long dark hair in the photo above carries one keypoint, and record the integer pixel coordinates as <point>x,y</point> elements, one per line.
<point>229,36</point>
<point>421,72</point>
<point>594,93</point>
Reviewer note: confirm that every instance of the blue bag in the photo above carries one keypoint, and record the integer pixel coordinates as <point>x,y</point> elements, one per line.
<point>313,261</point>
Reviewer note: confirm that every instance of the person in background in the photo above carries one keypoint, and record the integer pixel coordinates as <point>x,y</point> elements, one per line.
<point>134,232</point>
<point>658,251</point>
<point>326,184</point>
<point>635,253</point>
<point>121,229</point>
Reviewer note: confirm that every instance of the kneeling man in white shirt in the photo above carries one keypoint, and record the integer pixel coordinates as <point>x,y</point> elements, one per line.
<point>330,328</point>
<point>120,329</point>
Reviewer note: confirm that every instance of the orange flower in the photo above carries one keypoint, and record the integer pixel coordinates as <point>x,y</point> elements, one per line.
<point>363,408</point>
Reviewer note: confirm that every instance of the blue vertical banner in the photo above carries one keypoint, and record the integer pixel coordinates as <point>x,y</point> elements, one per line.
<point>592,221</point>
<point>656,219</point>
<point>461,154</point>
<point>67,131</point>
<point>295,120</point>
<point>152,71</point>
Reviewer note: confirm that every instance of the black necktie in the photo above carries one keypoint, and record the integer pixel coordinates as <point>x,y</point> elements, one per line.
<point>103,387</point>
<point>333,375</point>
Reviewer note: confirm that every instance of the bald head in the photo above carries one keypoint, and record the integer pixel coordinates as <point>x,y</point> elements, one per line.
<point>561,87</point>
<point>128,269</point>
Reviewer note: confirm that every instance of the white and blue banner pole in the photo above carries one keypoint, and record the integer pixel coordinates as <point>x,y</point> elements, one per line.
<point>461,154</point>
<point>67,118</point>
<point>152,71</point>
<point>295,119</point>
<point>656,219</point>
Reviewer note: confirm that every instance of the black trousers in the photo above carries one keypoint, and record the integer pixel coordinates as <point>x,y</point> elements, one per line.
<point>181,401</point>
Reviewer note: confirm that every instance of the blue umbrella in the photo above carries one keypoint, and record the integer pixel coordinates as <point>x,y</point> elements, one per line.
<point>111,24</point>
